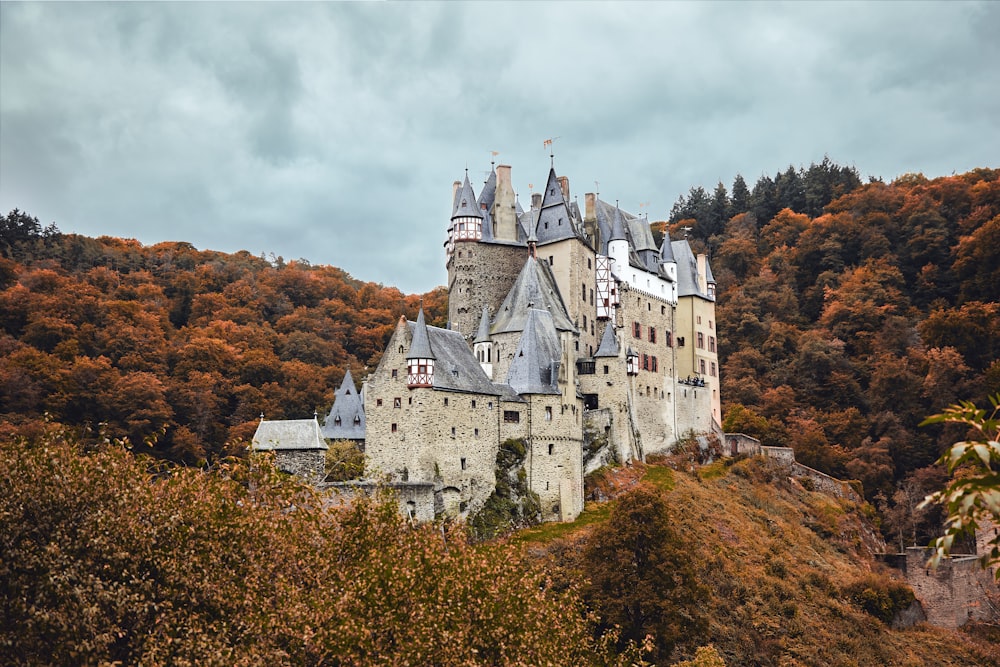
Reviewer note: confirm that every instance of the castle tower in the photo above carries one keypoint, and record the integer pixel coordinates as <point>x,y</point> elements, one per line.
<point>618,242</point>
<point>482,345</point>
<point>420,360</point>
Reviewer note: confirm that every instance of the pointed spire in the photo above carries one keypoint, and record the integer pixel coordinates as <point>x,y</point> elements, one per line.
<point>420,348</point>
<point>617,226</point>
<point>466,204</point>
<point>347,386</point>
<point>534,369</point>
<point>609,343</point>
<point>666,250</point>
<point>483,335</point>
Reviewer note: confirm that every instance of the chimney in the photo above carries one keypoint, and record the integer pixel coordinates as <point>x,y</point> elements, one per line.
<point>564,186</point>
<point>454,193</point>
<point>590,206</point>
<point>702,275</point>
<point>536,200</point>
<point>504,212</point>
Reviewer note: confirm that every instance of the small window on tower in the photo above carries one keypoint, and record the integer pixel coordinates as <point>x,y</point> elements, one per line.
<point>397,402</point>
<point>473,402</point>
<point>552,449</point>
<point>393,428</point>
<point>548,413</point>
<point>463,463</point>
<point>378,402</point>
<point>395,373</point>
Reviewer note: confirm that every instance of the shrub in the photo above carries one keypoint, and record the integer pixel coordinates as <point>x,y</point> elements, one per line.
<point>880,597</point>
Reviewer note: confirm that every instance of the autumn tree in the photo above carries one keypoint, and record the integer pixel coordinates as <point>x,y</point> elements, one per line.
<point>642,578</point>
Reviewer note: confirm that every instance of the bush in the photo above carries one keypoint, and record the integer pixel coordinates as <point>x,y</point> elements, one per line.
<point>880,597</point>
<point>109,559</point>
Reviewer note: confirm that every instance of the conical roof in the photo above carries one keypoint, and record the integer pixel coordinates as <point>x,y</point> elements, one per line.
<point>666,250</point>
<point>535,287</point>
<point>483,334</point>
<point>609,342</point>
<point>466,204</point>
<point>420,348</point>
<point>535,367</point>
<point>617,226</point>
<point>554,219</point>
<point>349,410</point>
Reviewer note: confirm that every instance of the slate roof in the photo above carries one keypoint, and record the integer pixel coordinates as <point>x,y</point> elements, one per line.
<point>455,367</point>
<point>288,434</point>
<point>466,204</point>
<point>535,287</point>
<point>687,270</point>
<point>555,222</point>
<point>483,334</point>
<point>349,407</point>
<point>535,367</point>
<point>420,347</point>
<point>666,249</point>
<point>609,342</point>
<point>485,201</point>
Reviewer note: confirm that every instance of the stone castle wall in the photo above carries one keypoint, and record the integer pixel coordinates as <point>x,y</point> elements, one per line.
<point>958,591</point>
<point>480,274</point>
<point>555,456</point>
<point>425,435</point>
<point>309,464</point>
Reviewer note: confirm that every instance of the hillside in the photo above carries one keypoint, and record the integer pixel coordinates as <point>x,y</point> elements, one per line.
<point>789,571</point>
<point>181,350</point>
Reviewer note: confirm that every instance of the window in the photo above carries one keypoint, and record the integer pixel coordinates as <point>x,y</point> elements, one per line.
<point>393,428</point>
<point>637,330</point>
<point>511,416</point>
<point>652,334</point>
<point>473,402</point>
<point>446,401</point>
<point>699,319</point>
<point>357,420</point>
<point>701,341</point>
<point>583,292</point>
<point>711,343</point>
<point>489,406</point>
<point>397,402</point>
<point>663,310</point>
<point>712,368</point>
<point>548,413</point>
<point>591,297</point>
<point>710,324</point>
<point>669,338</point>
<point>410,400</point>
<point>463,463</point>
<point>701,366</point>
<point>585,324</point>
<point>645,362</point>
<point>552,260</point>
<point>336,421</point>
<point>475,432</point>
<point>453,431</point>
<point>588,262</point>
<point>680,341</point>
<point>652,364</point>
<point>378,402</point>
<point>605,370</point>
<point>552,449</point>
<point>395,373</point>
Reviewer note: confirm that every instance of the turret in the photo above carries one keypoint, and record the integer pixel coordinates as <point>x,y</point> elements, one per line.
<point>466,218</point>
<point>618,242</point>
<point>483,345</point>
<point>420,360</point>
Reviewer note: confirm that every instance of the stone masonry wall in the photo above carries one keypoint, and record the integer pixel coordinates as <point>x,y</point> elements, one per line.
<point>957,592</point>
<point>425,435</point>
<point>652,393</point>
<point>480,274</point>
<point>306,463</point>
<point>555,456</point>
<point>573,265</point>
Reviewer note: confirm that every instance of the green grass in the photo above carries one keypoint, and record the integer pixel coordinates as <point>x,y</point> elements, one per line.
<point>660,476</point>
<point>714,470</point>
<point>543,533</point>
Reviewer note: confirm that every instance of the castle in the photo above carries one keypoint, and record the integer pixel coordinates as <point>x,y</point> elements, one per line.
<point>568,329</point>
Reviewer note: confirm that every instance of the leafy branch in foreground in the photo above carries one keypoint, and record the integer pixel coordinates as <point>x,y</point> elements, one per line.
<point>973,495</point>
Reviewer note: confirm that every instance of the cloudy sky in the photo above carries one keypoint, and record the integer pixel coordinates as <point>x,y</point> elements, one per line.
<point>333,131</point>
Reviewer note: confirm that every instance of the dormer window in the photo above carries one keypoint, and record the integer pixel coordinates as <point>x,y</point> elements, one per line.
<point>336,421</point>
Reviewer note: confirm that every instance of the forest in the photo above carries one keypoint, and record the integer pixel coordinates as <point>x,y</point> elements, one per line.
<point>134,527</point>
<point>847,313</point>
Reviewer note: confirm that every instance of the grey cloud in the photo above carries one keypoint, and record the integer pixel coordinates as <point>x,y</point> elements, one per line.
<point>333,131</point>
